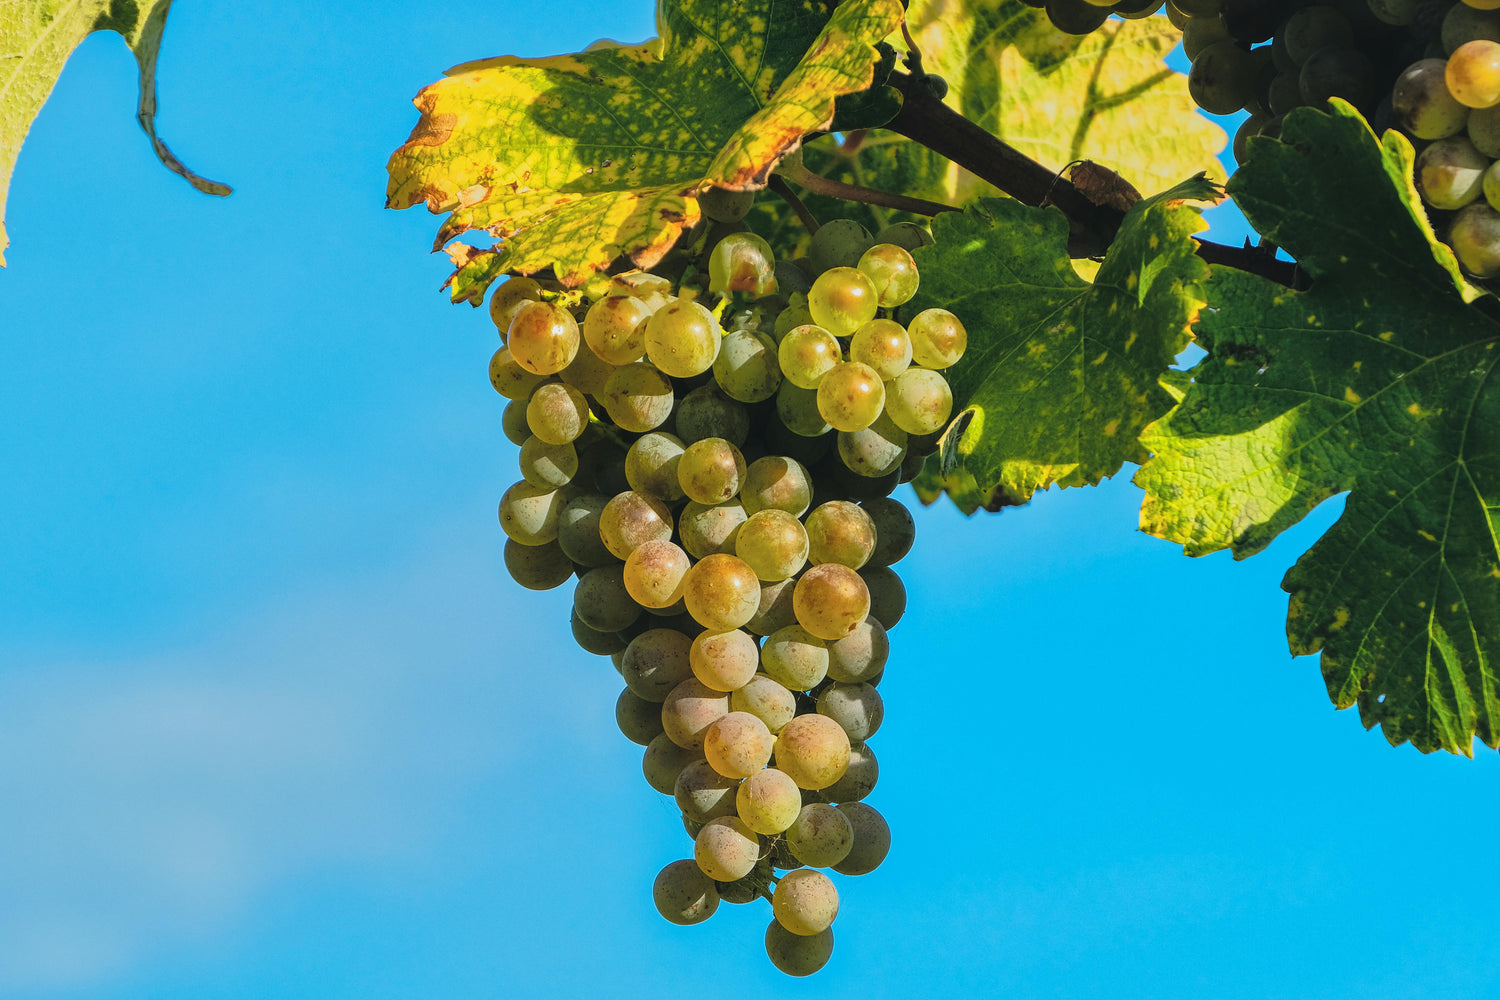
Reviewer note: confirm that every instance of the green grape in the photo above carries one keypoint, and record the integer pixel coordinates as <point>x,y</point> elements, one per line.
<point>883,345</point>
<point>615,329</point>
<point>794,658</point>
<point>1473,73</point>
<point>1202,31</point>
<point>722,593</point>
<point>707,412</point>
<point>842,300</point>
<point>857,707</point>
<point>1464,23</point>
<point>1484,130</point>
<point>1199,8</point>
<point>631,518</point>
<point>663,761</point>
<point>813,751</point>
<point>839,243</point>
<point>749,888</point>
<point>637,397</point>
<point>893,272</point>
<point>724,661</point>
<point>537,567</point>
<point>906,235</point>
<point>767,699</point>
<point>773,543</point>
<point>1491,185</point>
<point>919,401</point>
<point>742,262</point>
<point>768,801</point>
<point>655,662</point>
<point>654,573</point>
<point>1135,10</point>
<point>1334,72</point>
<point>876,450</point>
<point>796,955</point>
<point>791,279</point>
<point>683,894</point>
<point>513,422</point>
<point>797,409</point>
<point>726,849</point>
<point>775,608</point>
<point>859,780</point>
<point>509,297</point>
<point>548,466</point>
<point>606,461</point>
<point>543,338</point>
<point>528,514</point>
<point>746,368</point>
<point>557,413</point>
<point>724,205</point>
<point>895,531</point>
<point>792,317</point>
<point>1222,79</point>
<point>1422,103</point>
<point>860,656</point>
<point>710,528</point>
<point>602,602</point>
<point>591,640</point>
<point>682,339</point>
<point>651,465</point>
<point>1475,238</point>
<point>703,793</point>
<point>710,471</point>
<point>578,531</point>
<point>737,744</point>
<point>872,839</point>
<point>820,836</point>
<point>851,396</point>
<point>1076,17</point>
<point>776,481</point>
<point>1285,92</point>
<point>938,338</point>
<point>689,709</point>
<point>805,902</point>
<point>887,594</point>
<point>639,720</point>
<point>807,353</point>
<point>1313,28</point>
<point>830,601</point>
<point>840,532</point>
<point>1450,173</point>
<point>1398,12</point>
<point>510,379</point>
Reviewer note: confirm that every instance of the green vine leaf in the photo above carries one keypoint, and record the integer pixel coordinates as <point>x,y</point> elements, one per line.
<point>36,39</point>
<point>1061,374</point>
<point>575,161</point>
<point>1376,382</point>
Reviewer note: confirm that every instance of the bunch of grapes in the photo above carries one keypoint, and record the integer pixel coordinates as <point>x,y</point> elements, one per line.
<point>1430,68</point>
<point>713,464</point>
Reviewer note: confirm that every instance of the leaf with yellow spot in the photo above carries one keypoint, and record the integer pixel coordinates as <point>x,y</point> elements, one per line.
<point>1061,374</point>
<point>1376,381</point>
<point>38,36</point>
<point>575,161</point>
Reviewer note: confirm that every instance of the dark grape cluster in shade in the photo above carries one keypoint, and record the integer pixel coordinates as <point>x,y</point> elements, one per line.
<point>710,461</point>
<point>1430,68</point>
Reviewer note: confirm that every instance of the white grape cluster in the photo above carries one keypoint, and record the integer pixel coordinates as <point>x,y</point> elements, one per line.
<point>714,468</point>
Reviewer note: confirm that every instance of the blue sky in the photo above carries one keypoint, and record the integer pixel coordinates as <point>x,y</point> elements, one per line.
<point>275,722</point>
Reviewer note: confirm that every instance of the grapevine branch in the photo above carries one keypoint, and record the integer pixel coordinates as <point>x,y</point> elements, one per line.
<point>927,120</point>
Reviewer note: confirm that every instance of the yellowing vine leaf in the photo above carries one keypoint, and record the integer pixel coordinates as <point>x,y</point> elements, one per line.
<point>574,161</point>
<point>36,39</point>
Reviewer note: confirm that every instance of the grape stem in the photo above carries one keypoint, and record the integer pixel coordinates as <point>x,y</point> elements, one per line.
<point>927,120</point>
<point>804,214</point>
<point>794,170</point>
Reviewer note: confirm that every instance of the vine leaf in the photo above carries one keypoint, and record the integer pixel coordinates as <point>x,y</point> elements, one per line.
<point>1377,382</point>
<point>1061,374</point>
<point>574,161</point>
<point>36,39</point>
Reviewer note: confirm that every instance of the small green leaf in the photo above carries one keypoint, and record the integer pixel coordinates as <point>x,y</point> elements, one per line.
<point>1376,382</point>
<point>1061,374</point>
<point>575,161</point>
<point>38,36</point>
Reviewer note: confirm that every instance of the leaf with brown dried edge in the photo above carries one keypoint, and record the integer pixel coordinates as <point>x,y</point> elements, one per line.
<point>575,161</point>
<point>37,39</point>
